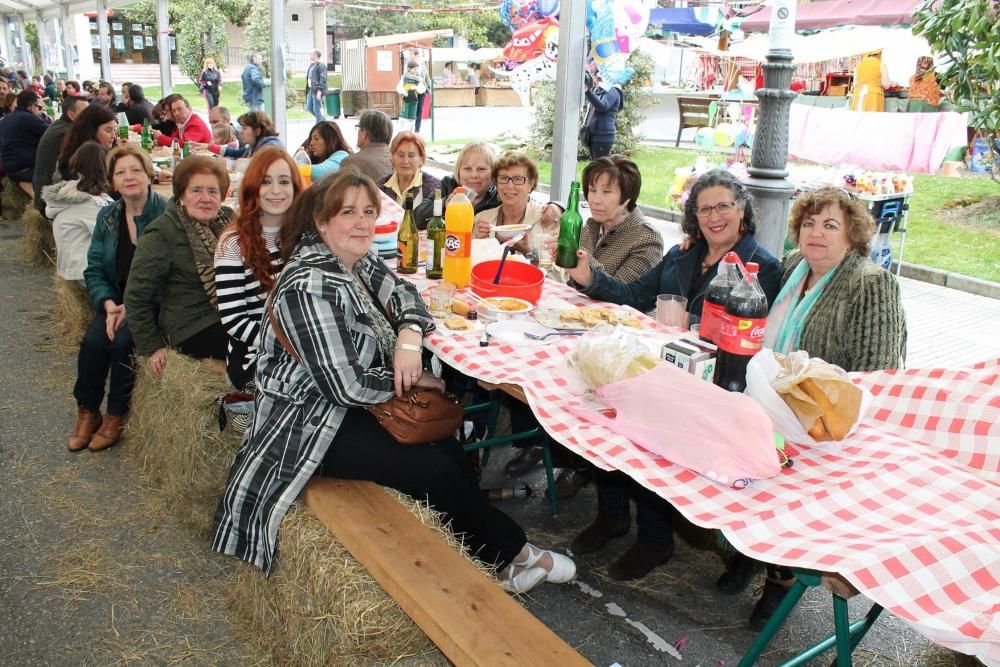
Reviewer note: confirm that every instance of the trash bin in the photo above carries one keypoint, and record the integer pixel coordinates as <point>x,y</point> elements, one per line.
<point>268,102</point>
<point>333,102</point>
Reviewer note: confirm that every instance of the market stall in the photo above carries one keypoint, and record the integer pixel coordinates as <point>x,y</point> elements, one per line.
<point>466,78</point>
<point>372,67</point>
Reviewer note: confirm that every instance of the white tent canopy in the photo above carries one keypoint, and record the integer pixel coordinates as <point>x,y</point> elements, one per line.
<point>464,55</point>
<point>900,47</point>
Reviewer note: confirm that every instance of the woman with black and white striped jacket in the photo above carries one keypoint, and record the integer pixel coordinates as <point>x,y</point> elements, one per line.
<point>353,333</point>
<point>247,261</point>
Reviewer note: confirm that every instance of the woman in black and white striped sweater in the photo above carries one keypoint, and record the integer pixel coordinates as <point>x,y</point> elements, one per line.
<point>247,260</point>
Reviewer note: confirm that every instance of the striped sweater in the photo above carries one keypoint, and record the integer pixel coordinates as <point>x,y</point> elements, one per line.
<point>241,299</point>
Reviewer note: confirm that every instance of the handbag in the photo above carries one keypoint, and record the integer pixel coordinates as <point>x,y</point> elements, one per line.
<point>419,416</point>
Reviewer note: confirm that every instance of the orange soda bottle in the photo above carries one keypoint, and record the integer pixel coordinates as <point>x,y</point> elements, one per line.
<point>458,222</point>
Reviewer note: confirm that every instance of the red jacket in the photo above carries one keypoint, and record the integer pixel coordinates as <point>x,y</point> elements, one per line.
<point>195,130</point>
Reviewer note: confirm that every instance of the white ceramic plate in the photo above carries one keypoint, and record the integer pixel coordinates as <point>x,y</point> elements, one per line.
<point>512,332</point>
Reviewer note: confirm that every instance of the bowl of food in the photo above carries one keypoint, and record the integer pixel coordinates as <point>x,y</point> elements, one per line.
<point>498,308</point>
<point>519,280</point>
<point>505,233</point>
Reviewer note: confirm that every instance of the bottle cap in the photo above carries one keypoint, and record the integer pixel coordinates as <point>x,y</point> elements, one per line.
<point>753,267</point>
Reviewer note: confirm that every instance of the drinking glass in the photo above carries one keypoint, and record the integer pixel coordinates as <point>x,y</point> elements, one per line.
<point>545,249</point>
<point>671,310</point>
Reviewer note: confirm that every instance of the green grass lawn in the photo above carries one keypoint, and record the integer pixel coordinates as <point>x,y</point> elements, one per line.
<point>232,96</point>
<point>931,240</point>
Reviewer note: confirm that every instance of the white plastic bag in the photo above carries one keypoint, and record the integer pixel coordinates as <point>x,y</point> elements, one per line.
<point>762,372</point>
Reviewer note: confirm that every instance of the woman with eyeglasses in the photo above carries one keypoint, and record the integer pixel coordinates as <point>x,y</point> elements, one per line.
<point>719,217</point>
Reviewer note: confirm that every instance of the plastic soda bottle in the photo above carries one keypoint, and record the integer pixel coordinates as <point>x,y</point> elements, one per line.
<point>408,240</point>
<point>304,164</point>
<point>436,236</point>
<point>713,311</point>
<point>570,227</point>
<point>458,222</point>
<point>742,331</point>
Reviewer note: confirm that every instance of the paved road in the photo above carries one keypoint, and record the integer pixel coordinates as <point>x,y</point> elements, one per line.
<point>93,569</point>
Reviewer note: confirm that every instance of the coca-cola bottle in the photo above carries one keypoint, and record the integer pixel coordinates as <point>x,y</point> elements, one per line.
<point>713,310</point>
<point>742,331</point>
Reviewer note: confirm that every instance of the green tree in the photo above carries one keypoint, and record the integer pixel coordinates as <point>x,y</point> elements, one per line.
<point>482,27</point>
<point>964,33</point>
<point>637,98</point>
<point>199,35</point>
<point>31,37</point>
<point>235,11</point>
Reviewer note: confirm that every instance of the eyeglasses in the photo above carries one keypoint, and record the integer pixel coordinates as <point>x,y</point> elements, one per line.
<point>721,208</point>
<point>516,180</point>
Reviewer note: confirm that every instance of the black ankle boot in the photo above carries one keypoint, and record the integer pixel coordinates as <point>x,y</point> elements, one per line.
<point>605,528</point>
<point>740,571</point>
<point>771,597</point>
<point>639,561</point>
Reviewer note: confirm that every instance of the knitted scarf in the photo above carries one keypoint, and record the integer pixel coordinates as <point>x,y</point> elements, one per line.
<point>385,335</point>
<point>203,238</point>
<point>789,312</point>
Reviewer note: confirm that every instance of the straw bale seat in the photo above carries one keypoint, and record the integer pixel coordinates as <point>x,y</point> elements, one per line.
<point>468,616</point>
<point>71,314</point>
<point>173,431</point>
<point>13,199</point>
<point>37,244</point>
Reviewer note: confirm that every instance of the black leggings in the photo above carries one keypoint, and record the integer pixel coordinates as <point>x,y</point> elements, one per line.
<point>208,343</point>
<point>439,473</point>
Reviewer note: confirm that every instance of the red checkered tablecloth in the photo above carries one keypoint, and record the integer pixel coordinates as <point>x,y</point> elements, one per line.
<point>907,508</point>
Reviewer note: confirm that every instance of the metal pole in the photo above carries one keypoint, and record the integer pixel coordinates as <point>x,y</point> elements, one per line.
<point>768,182</point>
<point>569,94</point>
<point>278,66</point>
<point>43,42</point>
<point>163,46</point>
<point>29,61</point>
<point>65,25</point>
<point>7,52</point>
<point>102,31</point>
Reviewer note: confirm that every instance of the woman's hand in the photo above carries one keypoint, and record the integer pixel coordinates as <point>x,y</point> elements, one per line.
<point>158,362</point>
<point>114,318</point>
<point>407,365</point>
<point>550,216</point>
<point>156,134</point>
<point>581,273</point>
<point>482,229</point>
<point>197,146</point>
<point>686,243</point>
<point>164,176</point>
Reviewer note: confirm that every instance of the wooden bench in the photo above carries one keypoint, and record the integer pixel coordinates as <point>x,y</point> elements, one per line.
<point>693,113</point>
<point>470,618</point>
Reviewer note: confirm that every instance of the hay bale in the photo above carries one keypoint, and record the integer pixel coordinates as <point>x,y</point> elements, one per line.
<point>321,607</point>
<point>14,200</point>
<point>71,314</point>
<point>174,433</point>
<point>37,245</point>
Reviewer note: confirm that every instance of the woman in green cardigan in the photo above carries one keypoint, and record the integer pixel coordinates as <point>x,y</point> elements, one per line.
<point>105,355</point>
<point>835,304</point>
<point>174,267</point>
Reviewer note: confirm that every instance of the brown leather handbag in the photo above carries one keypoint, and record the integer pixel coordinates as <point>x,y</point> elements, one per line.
<point>421,415</point>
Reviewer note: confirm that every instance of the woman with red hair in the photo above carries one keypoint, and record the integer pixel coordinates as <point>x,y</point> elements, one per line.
<point>247,259</point>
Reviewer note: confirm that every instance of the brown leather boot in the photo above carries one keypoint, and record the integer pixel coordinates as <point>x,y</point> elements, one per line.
<point>87,421</point>
<point>108,434</point>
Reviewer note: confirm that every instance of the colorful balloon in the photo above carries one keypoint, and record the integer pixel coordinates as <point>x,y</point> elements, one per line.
<point>517,13</point>
<point>631,20</point>
<point>725,135</point>
<point>548,8</point>
<point>605,49</point>
<point>705,137</point>
<point>528,41</point>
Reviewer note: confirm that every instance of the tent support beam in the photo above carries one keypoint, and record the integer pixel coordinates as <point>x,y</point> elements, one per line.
<point>64,27</point>
<point>102,32</point>
<point>569,95</point>
<point>278,66</point>
<point>163,47</point>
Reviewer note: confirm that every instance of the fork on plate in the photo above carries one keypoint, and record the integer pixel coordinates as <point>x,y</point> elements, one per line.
<point>534,336</point>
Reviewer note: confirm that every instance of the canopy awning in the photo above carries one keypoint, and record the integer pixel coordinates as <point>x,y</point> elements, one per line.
<point>685,20</point>
<point>833,13</point>
<point>51,9</point>
<point>464,55</point>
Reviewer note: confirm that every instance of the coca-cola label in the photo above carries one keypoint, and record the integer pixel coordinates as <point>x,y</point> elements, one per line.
<point>742,335</point>
<point>711,320</point>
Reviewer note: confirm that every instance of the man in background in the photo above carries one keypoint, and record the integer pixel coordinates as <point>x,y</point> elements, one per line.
<point>374,135</point>
<point>316,85</point>
<point>20,133</point>
<point>253,84</point>
<point>49,145</point>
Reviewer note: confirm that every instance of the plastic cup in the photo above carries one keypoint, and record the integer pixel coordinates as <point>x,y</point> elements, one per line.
<point>439,300</point>
<point>671,310</point>
<point>545,249</point>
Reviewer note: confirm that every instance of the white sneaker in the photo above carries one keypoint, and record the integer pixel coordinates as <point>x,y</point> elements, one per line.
<point>524,580</point>
<point>563,568</point>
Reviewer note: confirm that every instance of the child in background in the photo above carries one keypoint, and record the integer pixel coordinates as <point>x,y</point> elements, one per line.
<point>410,87</point>
<point>223,135</point>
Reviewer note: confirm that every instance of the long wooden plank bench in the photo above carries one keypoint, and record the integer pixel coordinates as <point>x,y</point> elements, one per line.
<point>471,619</point>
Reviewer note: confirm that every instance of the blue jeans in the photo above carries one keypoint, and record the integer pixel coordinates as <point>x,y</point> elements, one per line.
<point>256,107</point>
<point>315,107</point>
<point>652,513</point>
<point>98,358</point>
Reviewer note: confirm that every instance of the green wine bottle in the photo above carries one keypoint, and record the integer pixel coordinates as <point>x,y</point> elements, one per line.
<point>436,237</point>
<point>408,240</point>
<point>570,227</point>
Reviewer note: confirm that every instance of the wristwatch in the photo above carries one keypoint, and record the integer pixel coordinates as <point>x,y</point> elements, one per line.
<point>412,327</point>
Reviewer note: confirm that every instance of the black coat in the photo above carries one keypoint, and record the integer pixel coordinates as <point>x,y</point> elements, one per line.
<point>425,210</point>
